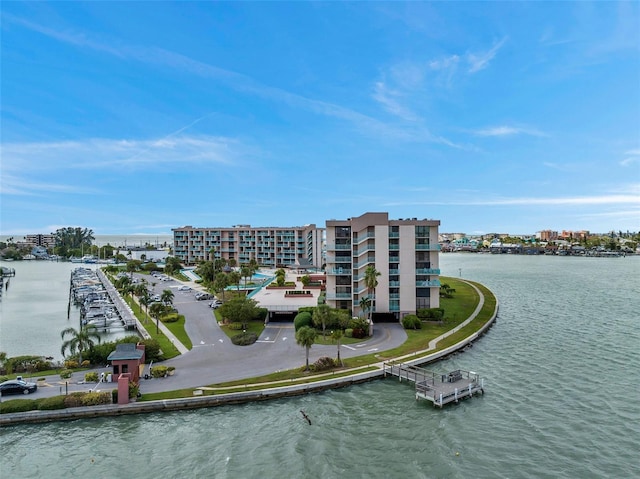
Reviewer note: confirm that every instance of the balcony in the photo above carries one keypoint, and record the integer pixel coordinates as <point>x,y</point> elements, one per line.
<point>364,250</point>
<point>395,284</point>
<point>428,284</point>
<point>428,247</point>
<point>427,271</point>
<point>363,237</point>
<point>339,259</point>
<point>339,271</point>
<point>334,247</point>
<point>336,296</point>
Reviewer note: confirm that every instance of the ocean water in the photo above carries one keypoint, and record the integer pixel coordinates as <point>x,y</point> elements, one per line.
<point>562,382</point>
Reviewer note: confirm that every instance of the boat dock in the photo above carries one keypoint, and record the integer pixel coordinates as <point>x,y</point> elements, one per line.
<point>438,388</point>
<point>124,310</point>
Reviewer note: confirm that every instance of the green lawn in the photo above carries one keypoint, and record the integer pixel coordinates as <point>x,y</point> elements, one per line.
<point>168,349</point>
<point>457,309</point>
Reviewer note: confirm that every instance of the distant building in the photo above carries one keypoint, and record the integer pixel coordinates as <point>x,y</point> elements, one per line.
<point>404,251</point>
<point>269,246</point>
<point>548,235</point>
<point>144,254</point>
<point>48,241</point>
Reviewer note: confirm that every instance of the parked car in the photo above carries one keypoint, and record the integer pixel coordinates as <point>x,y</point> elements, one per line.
<point>216,303</point>
<point>17,386</point>
<point>184,287</point>
<point>203,296</point>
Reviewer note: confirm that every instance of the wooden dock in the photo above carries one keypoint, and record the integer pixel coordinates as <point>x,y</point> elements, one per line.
<point>438,388</point>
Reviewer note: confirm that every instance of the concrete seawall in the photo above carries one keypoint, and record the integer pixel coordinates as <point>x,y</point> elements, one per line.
<point>238,397</point>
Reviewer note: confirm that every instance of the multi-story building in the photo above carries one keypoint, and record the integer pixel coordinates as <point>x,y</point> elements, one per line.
<point>45,240</point>
<point>270,246</point>
<point>403,251</point>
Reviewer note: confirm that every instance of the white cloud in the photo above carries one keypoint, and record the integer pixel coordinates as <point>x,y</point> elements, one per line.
<point>14,185</point>
<point>480,61</point>
<point>110,153</point>
<point>532,201</point>
<point>506,130</point>
<point>389,99</point>
<point>632,156</point>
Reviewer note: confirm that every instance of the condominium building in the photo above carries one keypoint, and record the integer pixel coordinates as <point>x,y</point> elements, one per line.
<point>403,251</point>
<point>273,247</point>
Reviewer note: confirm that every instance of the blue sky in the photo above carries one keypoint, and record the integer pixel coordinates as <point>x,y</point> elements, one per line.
<point>139,117</point>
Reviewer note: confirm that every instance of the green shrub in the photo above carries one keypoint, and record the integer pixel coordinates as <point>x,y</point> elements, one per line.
<point>411,321</point>
<point>66,373</point>
<point>431,314</point>
<point>235,326</point>
<point>260,314</point>
<point>86,363</point>
<point>348,333</point>
<point>359,333</point>
<point>359,323</point>
<point>323,364</point>
<point>71,364</point>
<point>54,402</point>
<point>244,339</point>
<point>170,318</point>
<point>17,405</point>
<point>4,378</point>
<point>158,372</point>
<point>91,377</point>
<point>114,396</point>
<point>96,398</point>
<point>134,390</point>
<point>302,319</point>
<point>73,399</point>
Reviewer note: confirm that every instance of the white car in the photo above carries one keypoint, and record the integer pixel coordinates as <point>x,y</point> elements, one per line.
<point>184,288</point>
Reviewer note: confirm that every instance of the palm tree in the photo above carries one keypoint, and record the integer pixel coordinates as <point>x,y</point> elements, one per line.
<point>234,278</point>
<point>221,282</point>
<point>145,300</point>
<point>371,281</point>
<point>320,316</point>
<point>306,336</point>
<point>365,304</point>
<point>337,337</point>
<point>157,310</point>
<point>79,340</point>
<point>167,297</point>
<point>245,272</point>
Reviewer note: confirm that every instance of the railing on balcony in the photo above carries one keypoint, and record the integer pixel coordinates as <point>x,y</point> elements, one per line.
<point>362,263</point>
<point>339,259</point>
<point>394,296</point>
<point>427,271</point>
<point>394,247</point>
<point>428,284</point>
<point>334,296</point>
<point>363,237</point>
<point>339,271</point>
<point>428,247</point>
<point>334,247</point>
<point>364,250</point>
<point>394,283</point>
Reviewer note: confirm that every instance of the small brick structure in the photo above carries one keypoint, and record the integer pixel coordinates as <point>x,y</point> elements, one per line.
<point>127,362</point>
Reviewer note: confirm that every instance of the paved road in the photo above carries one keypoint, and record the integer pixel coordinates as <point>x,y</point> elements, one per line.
<point>215,359</point>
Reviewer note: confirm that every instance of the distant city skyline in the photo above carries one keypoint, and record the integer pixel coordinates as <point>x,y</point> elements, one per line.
<point>493,117</point>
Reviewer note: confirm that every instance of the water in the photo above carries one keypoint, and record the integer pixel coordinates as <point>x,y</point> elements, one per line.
<point>33,310</point>
<point>561,372</point>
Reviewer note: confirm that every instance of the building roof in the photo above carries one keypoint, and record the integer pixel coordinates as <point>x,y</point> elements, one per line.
<point>125,351</point>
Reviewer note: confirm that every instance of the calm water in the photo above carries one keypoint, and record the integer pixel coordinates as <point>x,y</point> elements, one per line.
<point>561,371</point>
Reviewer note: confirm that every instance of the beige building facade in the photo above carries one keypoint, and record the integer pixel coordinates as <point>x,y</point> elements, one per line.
<point>271,247</point>
<point>404,251</point>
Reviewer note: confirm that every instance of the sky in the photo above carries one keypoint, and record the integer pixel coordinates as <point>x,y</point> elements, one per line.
<point>140,117</point>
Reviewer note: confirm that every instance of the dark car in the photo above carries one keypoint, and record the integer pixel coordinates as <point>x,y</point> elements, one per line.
<point>17,386</point>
